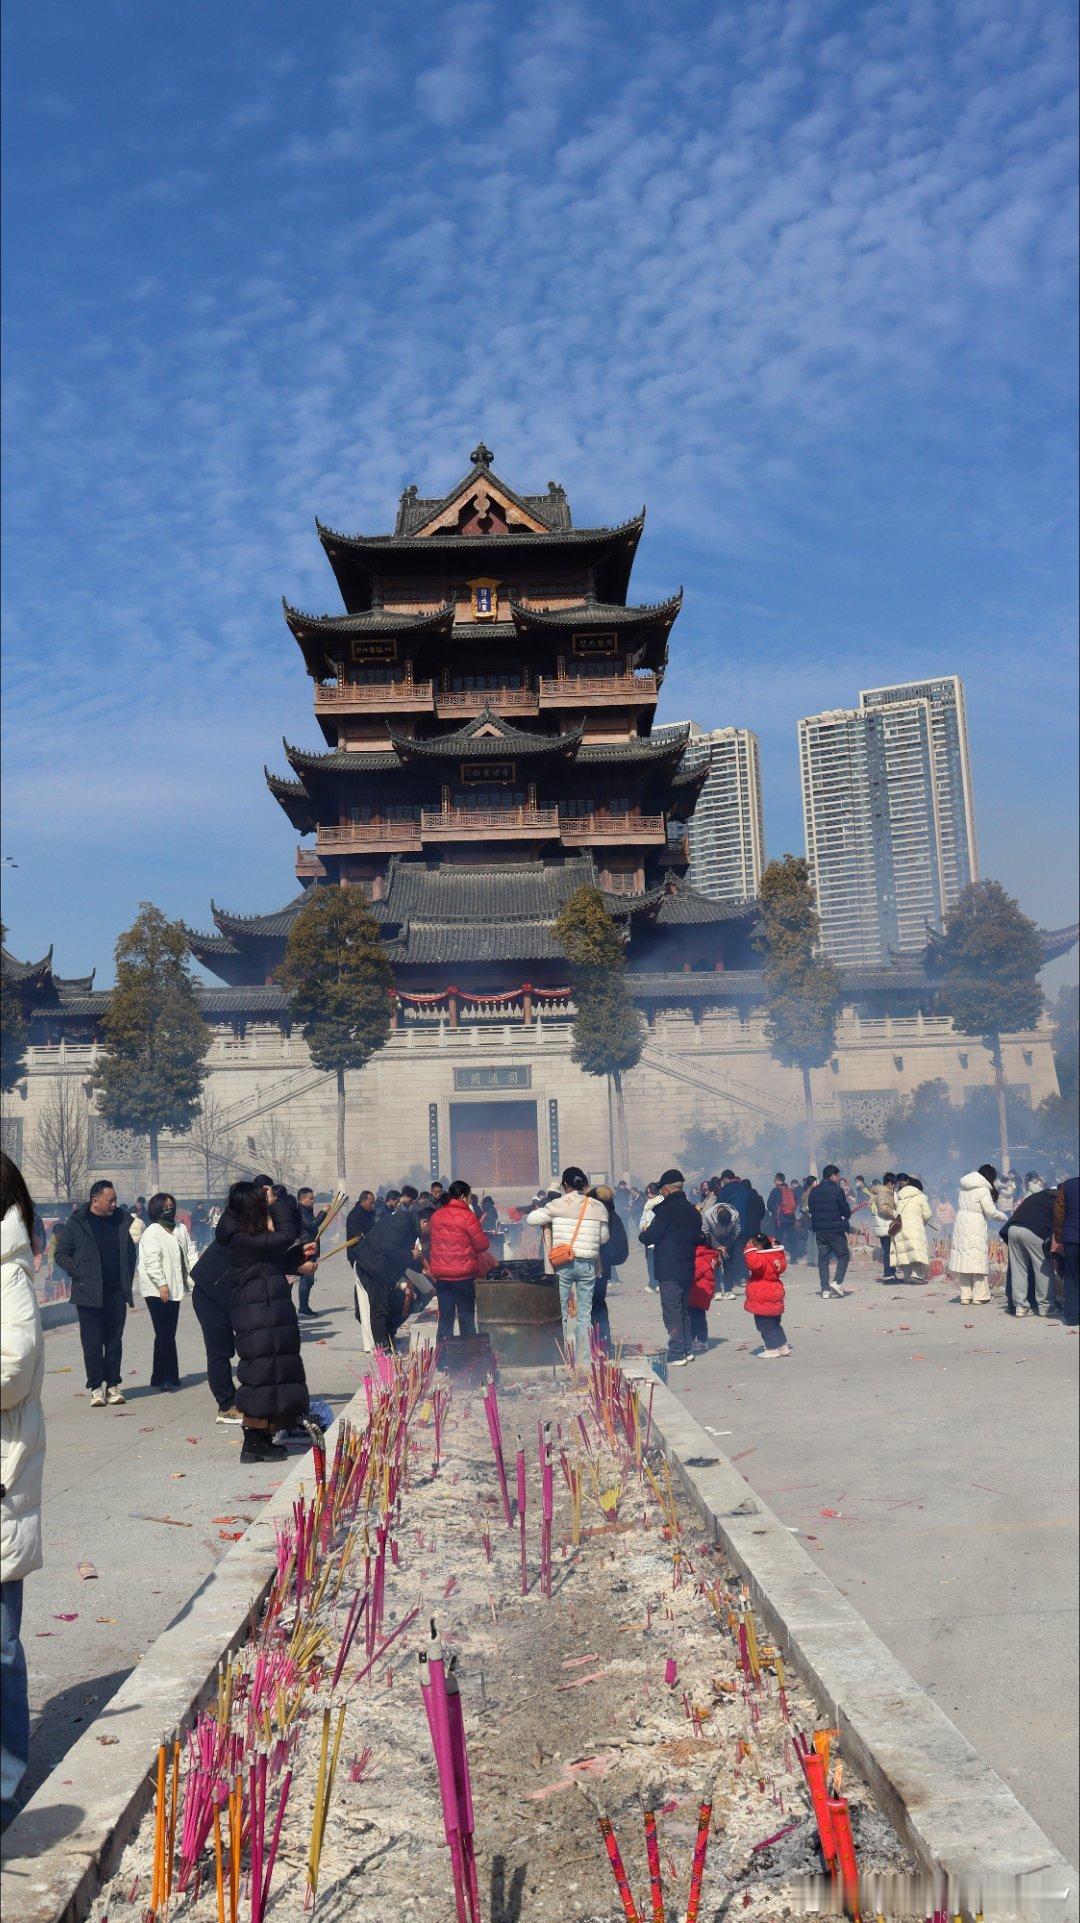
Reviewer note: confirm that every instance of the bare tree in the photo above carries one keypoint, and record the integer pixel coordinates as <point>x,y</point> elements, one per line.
<point>61,1146</point>
<point>278,1150</point>
<point>210,1138</point>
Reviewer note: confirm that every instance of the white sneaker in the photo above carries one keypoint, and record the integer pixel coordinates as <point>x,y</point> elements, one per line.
<point>97,1398</point>
<point>229,1415</point>
<point>1020,1313</point>
<point>678,1362</point>
<point>837,1288</point>
<point>115,1395</point>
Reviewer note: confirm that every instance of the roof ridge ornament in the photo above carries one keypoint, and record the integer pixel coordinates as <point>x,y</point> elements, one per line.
<point>481,455</point>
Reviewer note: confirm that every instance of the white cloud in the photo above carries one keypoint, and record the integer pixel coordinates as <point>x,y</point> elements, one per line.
<point>803,294</point>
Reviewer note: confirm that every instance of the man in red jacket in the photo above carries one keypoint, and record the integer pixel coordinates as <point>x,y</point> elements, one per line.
<point>765,1264</point>
<point>459,1253</point>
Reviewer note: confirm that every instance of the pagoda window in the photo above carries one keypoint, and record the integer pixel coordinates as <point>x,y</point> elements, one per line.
<point>360,811</point>
<point>373,677</point>
<point>401,811</point>
<point>590,669</point>
<point>483,796</point>
<point>483,683</point>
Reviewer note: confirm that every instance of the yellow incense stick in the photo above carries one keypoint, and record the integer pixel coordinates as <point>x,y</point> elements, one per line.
<point>313,1875</point>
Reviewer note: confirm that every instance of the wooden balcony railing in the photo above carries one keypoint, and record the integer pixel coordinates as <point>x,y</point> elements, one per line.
<point>468,701</point>
<point>308,863</point>
<point>357,837</point>
<point>487,824</point>
<point>586,690</point>
<point>387,695</point>
<point>600,828</point>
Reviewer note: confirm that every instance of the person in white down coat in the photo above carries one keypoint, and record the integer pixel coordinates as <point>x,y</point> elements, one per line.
<point>166,1259</point>
<point>22,1457</point>
<point>910,1249</point>
<point>976,1208</point>
<point>574,1219</point>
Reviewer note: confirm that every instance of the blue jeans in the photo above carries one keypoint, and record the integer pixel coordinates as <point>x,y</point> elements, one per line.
<point>14,1702</point>
<point>579,1277</point>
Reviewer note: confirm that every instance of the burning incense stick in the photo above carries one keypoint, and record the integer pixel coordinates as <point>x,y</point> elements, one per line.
<point>840,1816</point>
<point>618,1868</point>
<point>701,1846</point>
<point>652,1853</point>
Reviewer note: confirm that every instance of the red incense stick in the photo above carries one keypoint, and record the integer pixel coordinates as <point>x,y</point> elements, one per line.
<point>652,1852</point>
<point>701,1846</point>
<point>618,1868</point>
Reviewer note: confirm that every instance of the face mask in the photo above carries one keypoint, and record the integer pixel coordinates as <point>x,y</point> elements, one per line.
<point>168,1217</point>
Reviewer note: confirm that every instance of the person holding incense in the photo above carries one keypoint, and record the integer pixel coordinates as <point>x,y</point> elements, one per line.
<point>459,1251</point>
<point>272,1392</point>
<point>765,1265</point>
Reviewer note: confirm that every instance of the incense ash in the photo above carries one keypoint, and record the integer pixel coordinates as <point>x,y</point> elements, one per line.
<point>499,1676</point>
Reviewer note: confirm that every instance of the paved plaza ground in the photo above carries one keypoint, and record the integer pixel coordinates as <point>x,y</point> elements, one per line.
<point>927,1455</point>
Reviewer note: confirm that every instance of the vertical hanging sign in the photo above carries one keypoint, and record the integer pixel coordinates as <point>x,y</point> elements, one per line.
<point>553,1135</point>
<point>433,1138</point>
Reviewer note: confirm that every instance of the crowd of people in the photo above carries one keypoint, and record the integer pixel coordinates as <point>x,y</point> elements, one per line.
<point>250,1267</point>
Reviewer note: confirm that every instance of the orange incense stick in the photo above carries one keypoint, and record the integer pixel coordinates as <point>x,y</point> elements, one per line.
<point>173,1794</point>
<point>218,1866</point>
<point>157,1891</point>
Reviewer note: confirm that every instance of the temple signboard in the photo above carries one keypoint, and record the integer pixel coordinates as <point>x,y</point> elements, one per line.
<point>480,1080</point>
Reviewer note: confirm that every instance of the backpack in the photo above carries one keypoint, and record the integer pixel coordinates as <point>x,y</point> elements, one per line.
<point>786,1204</point>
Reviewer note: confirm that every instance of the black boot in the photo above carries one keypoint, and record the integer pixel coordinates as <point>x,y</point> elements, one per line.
<point>259,1448</point>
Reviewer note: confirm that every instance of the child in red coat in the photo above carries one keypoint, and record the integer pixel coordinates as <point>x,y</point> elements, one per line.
<point>765,1264</point>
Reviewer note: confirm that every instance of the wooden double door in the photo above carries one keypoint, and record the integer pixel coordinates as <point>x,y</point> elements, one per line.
<point>494,1144</point>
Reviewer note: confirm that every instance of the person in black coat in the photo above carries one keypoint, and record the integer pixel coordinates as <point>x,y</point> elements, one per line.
<point>273,1387</point>
<point>612,1252</point>
<point>211,1292</point>
<point>830,1212</point>
<point>95,1249</point>
<point>673,1235</point>
<point>380,1262</point>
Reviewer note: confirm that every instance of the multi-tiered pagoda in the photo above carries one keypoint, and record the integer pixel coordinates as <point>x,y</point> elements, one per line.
<point>487,700</point>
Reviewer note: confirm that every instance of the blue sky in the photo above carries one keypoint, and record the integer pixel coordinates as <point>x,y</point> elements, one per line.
<point>798,276</point>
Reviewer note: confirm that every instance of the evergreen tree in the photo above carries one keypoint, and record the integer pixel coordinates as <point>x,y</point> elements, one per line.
<point>12,1032</point>
<point>802,988</point>
<point>609,1033</point>
<point>152,1065</point>
<point>340,987</point>
<point>988,961</point>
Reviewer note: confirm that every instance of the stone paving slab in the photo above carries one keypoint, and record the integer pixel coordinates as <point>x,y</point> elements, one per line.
<point>955,1813</point>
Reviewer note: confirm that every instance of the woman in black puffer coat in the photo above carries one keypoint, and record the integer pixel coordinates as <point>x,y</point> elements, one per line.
<point>272,1392</point>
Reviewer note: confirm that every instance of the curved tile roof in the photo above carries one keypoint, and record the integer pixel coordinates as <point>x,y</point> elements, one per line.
<point>592,613</point>
<point>376,620</point>
<point>482,543</point>
<point>487,735</point>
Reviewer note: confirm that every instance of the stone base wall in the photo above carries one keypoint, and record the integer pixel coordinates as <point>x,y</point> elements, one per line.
<point>713,1073</point>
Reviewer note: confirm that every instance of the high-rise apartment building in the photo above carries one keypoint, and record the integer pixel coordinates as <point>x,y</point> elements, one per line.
<point>886,807</point>
<point>952,771</point>
<point>727,828</point>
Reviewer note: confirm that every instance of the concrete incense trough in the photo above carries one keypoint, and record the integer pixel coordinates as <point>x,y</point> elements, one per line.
<point>605,1655</point>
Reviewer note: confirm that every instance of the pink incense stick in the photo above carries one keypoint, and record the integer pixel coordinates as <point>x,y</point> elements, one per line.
<point>433,1673</point>
<point>521,1498</point>
<point>547,1510</point>
<point>495,1432</point>
<point>463,1787</point>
